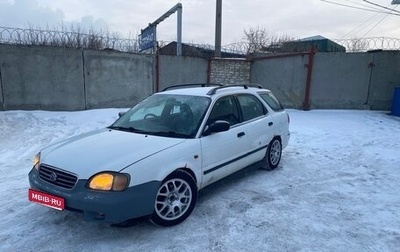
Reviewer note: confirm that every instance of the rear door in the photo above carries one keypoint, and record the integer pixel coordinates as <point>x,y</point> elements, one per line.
<point>280,117</point>
<point>258,124</point>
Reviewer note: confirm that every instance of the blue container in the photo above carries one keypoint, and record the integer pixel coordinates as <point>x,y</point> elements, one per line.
<point>396,102</point>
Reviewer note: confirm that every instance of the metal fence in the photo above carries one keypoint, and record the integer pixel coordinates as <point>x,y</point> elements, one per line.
<point>99,41</point>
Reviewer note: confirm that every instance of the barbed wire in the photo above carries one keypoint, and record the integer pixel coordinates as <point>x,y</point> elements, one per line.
<point>351,45</point>
<point>368,44</point>
<point>78,39</point>
<point>100,41</point>
<point>74,39</point>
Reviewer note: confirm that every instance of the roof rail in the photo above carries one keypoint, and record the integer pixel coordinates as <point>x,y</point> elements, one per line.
<point>245,86</point>
<point>189,85</point>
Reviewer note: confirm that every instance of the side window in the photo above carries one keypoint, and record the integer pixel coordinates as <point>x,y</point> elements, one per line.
<point>271,100</point>
<point>224,109</point>
<point>251,107</point>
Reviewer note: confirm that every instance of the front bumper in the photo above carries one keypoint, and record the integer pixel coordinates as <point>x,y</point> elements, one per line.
<point>103,206</point>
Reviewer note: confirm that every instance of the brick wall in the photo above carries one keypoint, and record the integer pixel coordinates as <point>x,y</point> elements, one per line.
<point>229,71</point>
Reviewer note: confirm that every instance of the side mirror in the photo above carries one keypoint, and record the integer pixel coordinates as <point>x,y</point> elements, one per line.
<point>217,126</point>
<point>120,114</point>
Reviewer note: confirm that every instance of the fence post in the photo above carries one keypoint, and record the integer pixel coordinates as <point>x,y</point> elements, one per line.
<point>85,105</point>
<point>306,103</point>
<point>3,107</point>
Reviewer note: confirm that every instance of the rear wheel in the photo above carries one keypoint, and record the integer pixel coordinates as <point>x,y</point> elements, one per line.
<point>273,155</point>
<point>175,199</point>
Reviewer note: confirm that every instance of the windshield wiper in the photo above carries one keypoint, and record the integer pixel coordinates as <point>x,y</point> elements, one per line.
<point>158,133</point>
<point>128,129</point>
<point>170,134</point>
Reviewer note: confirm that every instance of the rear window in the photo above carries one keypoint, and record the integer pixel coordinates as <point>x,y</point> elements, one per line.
<point>271,100</point>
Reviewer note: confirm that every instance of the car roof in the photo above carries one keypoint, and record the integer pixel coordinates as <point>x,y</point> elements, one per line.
<point>214,90</point>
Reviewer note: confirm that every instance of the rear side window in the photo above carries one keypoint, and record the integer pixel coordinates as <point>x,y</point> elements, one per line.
<point>251,107</point>
<point>271,100</point>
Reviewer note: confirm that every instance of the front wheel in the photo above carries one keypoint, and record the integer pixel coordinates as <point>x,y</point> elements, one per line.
<point>175,199</point>
<point>273,155</point>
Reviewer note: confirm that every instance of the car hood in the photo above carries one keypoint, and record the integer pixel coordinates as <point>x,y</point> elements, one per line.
<point>104,150</point>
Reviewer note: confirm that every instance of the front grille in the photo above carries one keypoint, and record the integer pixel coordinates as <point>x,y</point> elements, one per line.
<point>57,177</point>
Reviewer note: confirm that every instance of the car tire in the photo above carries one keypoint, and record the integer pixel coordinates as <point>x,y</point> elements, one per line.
<point>273,154</point>
<point>175,199</point>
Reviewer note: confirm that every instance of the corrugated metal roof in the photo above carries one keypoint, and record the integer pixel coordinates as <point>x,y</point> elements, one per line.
<point>318,37</point>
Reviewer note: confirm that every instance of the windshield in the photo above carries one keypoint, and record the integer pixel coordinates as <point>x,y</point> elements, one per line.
<point>165,115</point>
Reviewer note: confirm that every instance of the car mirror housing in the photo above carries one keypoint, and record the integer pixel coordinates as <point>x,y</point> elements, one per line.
<point>217,126</point>
<point>120,114</point>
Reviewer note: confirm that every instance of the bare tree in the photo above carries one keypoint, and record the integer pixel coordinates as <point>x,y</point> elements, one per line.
<point>259,39</point>
<point>357,45</point>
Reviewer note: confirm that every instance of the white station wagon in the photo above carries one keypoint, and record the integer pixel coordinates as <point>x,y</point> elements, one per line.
<point>156,157</point>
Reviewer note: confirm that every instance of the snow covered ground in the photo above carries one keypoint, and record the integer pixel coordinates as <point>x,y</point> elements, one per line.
<point>337,189</point>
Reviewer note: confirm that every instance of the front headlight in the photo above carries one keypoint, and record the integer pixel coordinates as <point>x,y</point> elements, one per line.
<point>109,181</point>
<point>36,161</point>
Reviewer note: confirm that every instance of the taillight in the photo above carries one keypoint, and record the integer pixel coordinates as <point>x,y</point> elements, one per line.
<point>288,118</point>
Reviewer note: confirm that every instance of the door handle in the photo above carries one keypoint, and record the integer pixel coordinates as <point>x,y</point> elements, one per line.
<point>270,123</point>
<point>240,134</point>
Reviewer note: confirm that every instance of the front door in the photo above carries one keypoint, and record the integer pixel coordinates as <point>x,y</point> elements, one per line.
<point>224,152</point>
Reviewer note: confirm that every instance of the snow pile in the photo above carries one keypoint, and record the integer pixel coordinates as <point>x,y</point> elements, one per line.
<point>337,189</point>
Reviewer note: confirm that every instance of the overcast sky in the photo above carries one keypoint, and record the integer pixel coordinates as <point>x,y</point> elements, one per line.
<point>301,18</point>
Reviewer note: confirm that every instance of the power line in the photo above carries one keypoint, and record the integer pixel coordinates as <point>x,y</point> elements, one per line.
<point>370,18</point>
<point>368,25</point>
<point>359,8</point>
<point>394,10</point>
<point>377,24</point>
<point>361,4</point>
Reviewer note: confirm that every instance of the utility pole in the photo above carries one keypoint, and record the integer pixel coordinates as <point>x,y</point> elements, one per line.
<point>179,31</point>
<point>218,29</point>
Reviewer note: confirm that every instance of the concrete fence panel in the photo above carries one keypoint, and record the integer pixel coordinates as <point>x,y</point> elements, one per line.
<point>117,79</point>
<point>1,90</point>
<point>45,78</point>
<point>284,76</point>
<point>55,78</point>
<point>340,80</point>
<point>385,76</point>
<point>174,70</point>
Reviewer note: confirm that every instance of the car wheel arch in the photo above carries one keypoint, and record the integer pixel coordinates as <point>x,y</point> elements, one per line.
<point>185,169</point>
<point>266,161</point>
<point>188,170</point>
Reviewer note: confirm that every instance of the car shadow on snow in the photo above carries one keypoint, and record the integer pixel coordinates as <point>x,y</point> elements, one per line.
<point>216,189</point>
<point>72,219</point>
<point>230,181</point>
